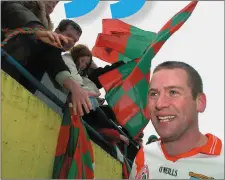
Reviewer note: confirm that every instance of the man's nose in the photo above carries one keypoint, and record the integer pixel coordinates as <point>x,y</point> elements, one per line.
<point>162,102</point>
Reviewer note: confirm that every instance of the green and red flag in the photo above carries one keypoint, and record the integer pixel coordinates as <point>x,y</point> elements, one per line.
<point>109,55</point>
<point>125,44</point>
<point>119,40</point>
<point>74,155</point>
<point>127,86</point>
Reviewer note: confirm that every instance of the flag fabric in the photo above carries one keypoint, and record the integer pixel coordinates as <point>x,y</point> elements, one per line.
<point>125,44</point>
<point>109,55</point>
<point>116,26</point>
<point>74,155</point>
<point>119,40</point>
<point>127,86</point>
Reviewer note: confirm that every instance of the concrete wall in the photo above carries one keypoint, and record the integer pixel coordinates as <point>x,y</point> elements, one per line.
<point>29,136</point>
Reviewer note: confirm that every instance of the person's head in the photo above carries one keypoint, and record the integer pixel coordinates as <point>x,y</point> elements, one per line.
<point>49,6</point>
<point>82,57</point>
<point>69,29</point>
<point>175,99</point>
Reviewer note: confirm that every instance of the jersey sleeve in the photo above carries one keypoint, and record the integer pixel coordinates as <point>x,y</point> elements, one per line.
<point>138,164</point>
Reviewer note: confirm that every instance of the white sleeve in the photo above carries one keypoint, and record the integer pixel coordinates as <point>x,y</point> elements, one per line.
<point>73,69</point>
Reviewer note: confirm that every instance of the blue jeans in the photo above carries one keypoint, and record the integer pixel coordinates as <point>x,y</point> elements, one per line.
<point>94,102</point>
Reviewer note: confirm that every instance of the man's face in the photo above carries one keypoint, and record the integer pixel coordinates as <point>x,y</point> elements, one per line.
<point>73,34</point>
<point>49,6</point>
<point>172,107</point>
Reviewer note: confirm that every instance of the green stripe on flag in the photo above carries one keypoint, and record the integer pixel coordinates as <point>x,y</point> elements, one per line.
<point>180,17</point>
<point>126,69</point>
<point>136,123</point>
<point>133,42</point>
<point>83,172</point>
<point>58,163</point>
<point>163,35</point>
<point>116,93</point>
<point>149,36</point>
<point>73,171</point>
<point>145,63</point>
<point>123,58</point>
<point>139,92</point>
<point>86,160</point>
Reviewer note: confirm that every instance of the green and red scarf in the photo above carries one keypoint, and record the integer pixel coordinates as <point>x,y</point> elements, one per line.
<point>74,154</point>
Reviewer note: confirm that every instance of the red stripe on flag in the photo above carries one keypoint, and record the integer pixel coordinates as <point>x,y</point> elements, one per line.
<point>125,109</point>
<point>146,112</point>
<point>125,173</point>
<point>78,159</point>
<point>137,60</point>
<point>65,168</point>
<point>62,140</point>
<point>156,46</point>
<point>111,79</point>
<point>167,25</point>
<point>88,172</point>
<point>190,7</point>
<point>135,76</point>
<point>110,56</point>
<point>115,25</point>
<point>147,76</point>
<point>116,42</point>
<point>175,28</point>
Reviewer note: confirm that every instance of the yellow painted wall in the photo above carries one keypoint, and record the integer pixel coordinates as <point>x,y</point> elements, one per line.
<point>29,136</point>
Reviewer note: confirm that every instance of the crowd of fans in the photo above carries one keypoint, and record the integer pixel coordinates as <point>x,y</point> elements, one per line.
<point>55,59</point>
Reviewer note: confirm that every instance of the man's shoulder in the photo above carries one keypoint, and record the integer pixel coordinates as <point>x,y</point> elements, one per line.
<point>152,147</point>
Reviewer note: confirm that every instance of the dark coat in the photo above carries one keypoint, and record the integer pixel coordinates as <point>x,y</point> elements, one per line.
<point>24,14</point>
<point>94,74</point>
<point>36,56</point>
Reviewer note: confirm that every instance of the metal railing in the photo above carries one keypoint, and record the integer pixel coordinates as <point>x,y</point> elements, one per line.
<point>56,100</point>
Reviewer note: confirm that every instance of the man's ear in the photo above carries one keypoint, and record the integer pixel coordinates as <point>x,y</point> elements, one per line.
<point>201,102</point>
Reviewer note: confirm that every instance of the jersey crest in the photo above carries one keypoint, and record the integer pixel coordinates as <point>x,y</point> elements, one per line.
<point>143,173</point>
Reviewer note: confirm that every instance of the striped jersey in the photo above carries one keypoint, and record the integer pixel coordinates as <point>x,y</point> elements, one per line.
<point>206,162</point>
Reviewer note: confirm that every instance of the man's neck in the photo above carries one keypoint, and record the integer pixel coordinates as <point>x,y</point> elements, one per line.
<point>185,143</point>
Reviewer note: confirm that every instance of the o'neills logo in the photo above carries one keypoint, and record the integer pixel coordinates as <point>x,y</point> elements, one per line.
<point>198,176</point>
<point>168,171</point>
<point>143,173</point>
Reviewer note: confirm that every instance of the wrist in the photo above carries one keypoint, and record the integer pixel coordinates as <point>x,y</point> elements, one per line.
<point>70,84</point>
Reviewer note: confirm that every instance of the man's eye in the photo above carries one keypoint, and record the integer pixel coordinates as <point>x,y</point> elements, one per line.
<point>152,94</point>
<point>173,92</point>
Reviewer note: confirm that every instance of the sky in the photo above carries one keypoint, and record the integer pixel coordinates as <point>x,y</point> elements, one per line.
<point>200,43</point>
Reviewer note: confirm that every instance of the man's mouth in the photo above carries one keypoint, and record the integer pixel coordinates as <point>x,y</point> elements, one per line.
<point>165,118</point>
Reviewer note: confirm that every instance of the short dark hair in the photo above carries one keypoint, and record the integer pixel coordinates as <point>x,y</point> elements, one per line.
<point>66,22</point>
<point>194,79</point>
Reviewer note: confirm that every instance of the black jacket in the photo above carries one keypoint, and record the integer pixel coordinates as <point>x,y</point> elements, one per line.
<point>94,74</point>
<point>16,14</point>
<point>36,56</point>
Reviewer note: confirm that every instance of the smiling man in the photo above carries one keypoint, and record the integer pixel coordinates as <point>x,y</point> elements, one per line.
<point>175,99</point>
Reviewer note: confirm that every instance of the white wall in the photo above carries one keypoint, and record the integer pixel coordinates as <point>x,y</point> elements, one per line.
<point>200,42</point>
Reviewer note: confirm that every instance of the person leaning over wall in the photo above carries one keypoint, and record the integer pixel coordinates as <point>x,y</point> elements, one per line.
<point>43,49</point>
